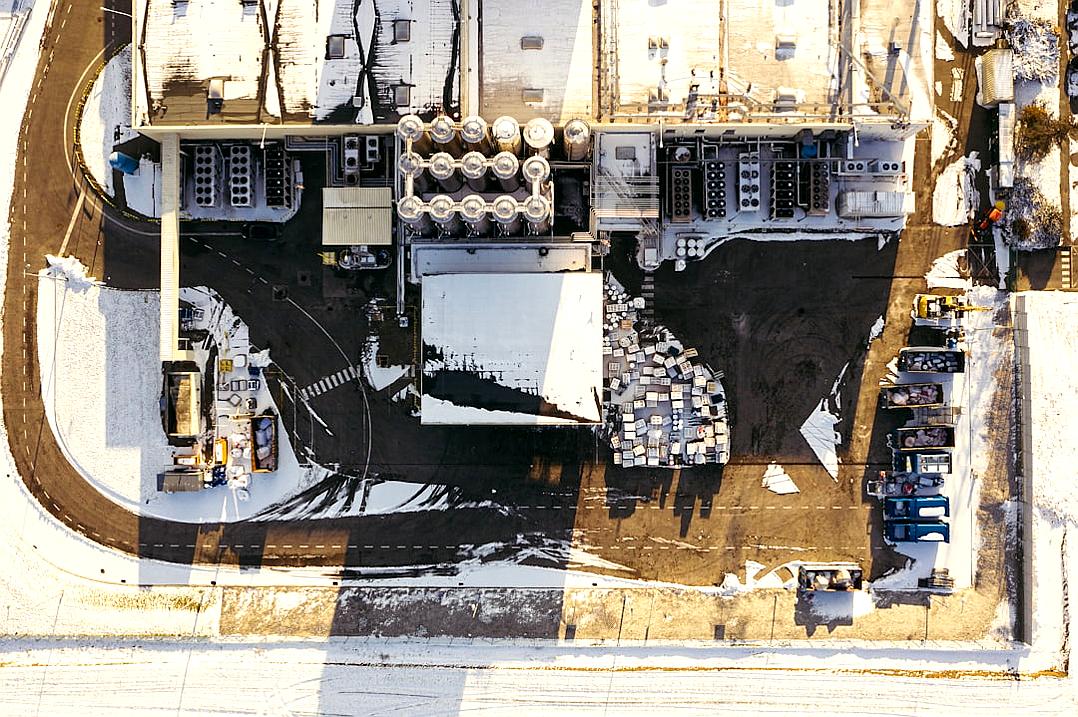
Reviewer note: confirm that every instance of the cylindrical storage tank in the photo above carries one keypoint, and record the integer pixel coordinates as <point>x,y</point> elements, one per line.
<point>539,135</point>
<point>410,164</point>
<point>410,127</point>
<point>443,210</point>
<point>537,213</point>
<point>506,134</point>
<point>576,138</point>
<point>473,210</point>
<point>507,214</point>
<point>444,135</point>
<point>536,170</point>
<point>410,211</point>
<point>506,167</point>
<point>473,166</point>
<point>474,134</point>
<point>443,169</point>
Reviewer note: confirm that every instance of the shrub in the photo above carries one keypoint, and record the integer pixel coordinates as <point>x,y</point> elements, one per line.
<point>1038,131</point>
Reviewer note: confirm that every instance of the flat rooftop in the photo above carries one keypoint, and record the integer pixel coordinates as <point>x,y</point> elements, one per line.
<point>512,349</point>
<point>537,64</point>
<point>298,61</point>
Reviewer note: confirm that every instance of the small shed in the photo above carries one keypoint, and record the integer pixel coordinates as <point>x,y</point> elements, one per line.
<point>995,74</point>
<point>353,216</point>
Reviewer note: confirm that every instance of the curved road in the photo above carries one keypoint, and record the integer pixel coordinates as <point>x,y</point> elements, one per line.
<point>46,195</point>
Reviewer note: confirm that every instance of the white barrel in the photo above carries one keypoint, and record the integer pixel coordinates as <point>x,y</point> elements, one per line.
<point>474,134</point>
<point>507,214</point>
<point>506,167</point>
<point>576,140</point>
<point>444,170</point>
<point>539,135</point>
<point>506,134</point>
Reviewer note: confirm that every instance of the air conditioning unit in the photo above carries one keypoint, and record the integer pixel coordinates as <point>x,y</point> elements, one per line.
<point>886,167</point>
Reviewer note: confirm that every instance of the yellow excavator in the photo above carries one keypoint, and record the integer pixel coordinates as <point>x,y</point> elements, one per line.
<point>936,307</point>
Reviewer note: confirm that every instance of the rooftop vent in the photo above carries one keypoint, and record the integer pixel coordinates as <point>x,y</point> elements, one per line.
<point>531,42</point>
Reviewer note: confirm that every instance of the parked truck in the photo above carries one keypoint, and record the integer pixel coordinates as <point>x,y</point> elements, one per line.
<point>931,359</point>
<point>912,395</point>
<point>916,507</point>
<point>923,462</point>
<point>921,531</point>
<point>264,443</point>
<point>914,438</point>
<point>829,576</point>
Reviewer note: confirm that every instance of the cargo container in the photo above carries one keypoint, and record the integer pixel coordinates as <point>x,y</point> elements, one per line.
<point>922,507</point>
<point>916,437</point>
<point>912,395</point>
<point>917,531</point>
<point>931,359</point>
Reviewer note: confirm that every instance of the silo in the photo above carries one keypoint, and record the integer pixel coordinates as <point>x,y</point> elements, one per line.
<point>539,135</point>
<point>443,210</point>
<point>473,166</point>
<point>536,170</point>
<point>537,213</point>
<point>443,169</point>
<point>410,164</point>
<point>576,138</point>
<point>410,127</point>
<point>473,210</point>
<point>444,135</point>
<point>506,168</point>
<point>507,214</point>
<point>506,133</point>
<point>473,132</point>
<point>411,211</point>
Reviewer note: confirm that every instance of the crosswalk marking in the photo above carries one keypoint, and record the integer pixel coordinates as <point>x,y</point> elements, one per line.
<point>330,382</point>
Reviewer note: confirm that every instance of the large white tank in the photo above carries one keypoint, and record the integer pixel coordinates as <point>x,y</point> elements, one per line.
<point>443,210</point>
<point>506,167</point>
<point>473,166</point>
<point>473,210</point>
<point>539,135</point>
<point>506,134</point>
<point>412,212</point>
<point>537,212</point>
<point>474,134</point>
<point>410,127</point>
<point>536,170</point>
<point>444,170</point>
<point>576,139</point>
<point>507,214</point>
<point>443,133</point>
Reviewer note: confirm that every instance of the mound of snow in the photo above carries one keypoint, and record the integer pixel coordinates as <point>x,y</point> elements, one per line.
<point>945,272</point>
<point>70,268</point>
<point>778,481</point>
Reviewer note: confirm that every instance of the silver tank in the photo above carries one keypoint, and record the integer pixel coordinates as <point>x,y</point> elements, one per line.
<point>507,215</point>
<point>443,133</point>
<point>410,164</point>
<point>473,166</point>
<point>475,135</point>
<point>410,127</point>
<point>539,135</point>
<point>537,212</point>
<point>506,135</point>
<point>506,168</point>
<point>576,139</point>
<point>443,210</point>
<point>536,170</point>
<point>411,212</point>
<point>444,171</point>
<point>473,210</point>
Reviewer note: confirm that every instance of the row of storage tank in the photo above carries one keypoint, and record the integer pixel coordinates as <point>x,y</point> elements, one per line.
<point>505,134</point>
<point>485,179</point>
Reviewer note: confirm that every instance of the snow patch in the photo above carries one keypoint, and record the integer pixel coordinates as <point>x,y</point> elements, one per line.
<point>946,273</point>
<point>955,196</point>
<point>943,50</point>
<point>778,481</point>
<point>70,269</point>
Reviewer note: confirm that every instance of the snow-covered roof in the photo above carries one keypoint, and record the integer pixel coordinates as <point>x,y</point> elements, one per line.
<point>323,60</point>
<point>512,349</point>
<point>558,61</point>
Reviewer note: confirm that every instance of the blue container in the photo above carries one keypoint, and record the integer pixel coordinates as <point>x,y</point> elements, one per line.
<point>123,162</point>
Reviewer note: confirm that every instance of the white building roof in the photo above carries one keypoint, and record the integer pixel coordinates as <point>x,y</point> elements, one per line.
<point>357,215</point>
<point>512,349</point>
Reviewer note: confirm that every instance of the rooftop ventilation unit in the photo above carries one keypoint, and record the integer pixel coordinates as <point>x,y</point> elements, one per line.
<point>240,176</point>
<point>748,182</point>
<point>714,196</point>
<point>206,174</point>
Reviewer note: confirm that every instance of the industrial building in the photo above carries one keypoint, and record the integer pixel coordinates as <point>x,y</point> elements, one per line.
<point>482,149</point>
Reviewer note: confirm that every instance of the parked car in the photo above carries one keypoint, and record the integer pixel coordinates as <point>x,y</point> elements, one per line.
<point>930,507</point>
<point>928,531</point>
<point>262,231</point>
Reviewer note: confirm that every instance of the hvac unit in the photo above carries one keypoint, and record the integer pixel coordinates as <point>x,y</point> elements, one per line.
<point>748,182</point>
<point>206,175</point>
<point>783,190</point>
<point>373,150</point>
<point>278,184</point>
<point>886,168</point>
<point>240,176</point>
<point>853,166</point>
<point>819,188</point>
<point>680,198</point>
<point>714,194</point>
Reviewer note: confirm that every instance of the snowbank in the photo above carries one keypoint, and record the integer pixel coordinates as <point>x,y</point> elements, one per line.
<point>777,480</point>
<point>106,117</point>
<point>946,273</point>
<point>142,190</point>
<point>943,50</point>
<point>956,17</point>
<point>955,197</point>
<point>379,377</point>
<point>819,428</point>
